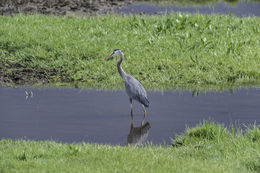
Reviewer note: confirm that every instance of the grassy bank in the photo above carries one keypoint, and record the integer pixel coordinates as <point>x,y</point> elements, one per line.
<point>206,148</point>
<point>163,52</point>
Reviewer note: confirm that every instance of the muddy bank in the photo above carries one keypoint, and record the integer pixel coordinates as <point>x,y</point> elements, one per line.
<point>60,7</point>
<point>16,74</point>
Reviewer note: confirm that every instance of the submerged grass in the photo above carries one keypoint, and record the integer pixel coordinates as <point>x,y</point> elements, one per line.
<point>209,147</point>
<point>163,52</point>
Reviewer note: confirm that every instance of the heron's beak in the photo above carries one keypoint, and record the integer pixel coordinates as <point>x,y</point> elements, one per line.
<point>109,58</point>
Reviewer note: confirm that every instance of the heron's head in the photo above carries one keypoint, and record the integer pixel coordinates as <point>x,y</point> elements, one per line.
<point>114,53</point>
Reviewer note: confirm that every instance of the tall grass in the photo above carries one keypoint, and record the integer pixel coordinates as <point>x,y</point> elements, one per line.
<point>164,52</point>
<point>214,142</point>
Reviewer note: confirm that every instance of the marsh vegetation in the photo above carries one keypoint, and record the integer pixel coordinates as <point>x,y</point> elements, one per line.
<point>171,51</point>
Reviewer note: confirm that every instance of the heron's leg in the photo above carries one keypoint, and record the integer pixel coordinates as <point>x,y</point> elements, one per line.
<point>131,106</point>
<point>144,114</point>
<point>144,111</point>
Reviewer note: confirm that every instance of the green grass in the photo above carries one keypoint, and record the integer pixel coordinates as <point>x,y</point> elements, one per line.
<point>163,52</point>
<point>209,147</point>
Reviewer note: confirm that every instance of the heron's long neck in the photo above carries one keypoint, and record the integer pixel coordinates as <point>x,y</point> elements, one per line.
<point>120,70</point>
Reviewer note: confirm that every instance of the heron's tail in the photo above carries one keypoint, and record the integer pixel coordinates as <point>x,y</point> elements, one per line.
<point>146,102</point>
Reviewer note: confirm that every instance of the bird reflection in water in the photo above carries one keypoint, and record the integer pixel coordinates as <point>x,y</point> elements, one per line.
<point>138,135</point>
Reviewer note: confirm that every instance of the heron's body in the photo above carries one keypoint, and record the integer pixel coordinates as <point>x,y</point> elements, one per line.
<point>135,90</point>
<point>133,87</point>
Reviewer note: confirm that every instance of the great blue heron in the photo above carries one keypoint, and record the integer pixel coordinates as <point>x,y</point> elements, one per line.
<point>133,87</point>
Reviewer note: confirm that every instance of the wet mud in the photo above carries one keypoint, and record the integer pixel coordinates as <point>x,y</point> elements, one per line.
<point>60,7</point>
<point>16,74</point>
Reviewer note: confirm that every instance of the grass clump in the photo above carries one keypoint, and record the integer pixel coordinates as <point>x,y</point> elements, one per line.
<point>253,134</point>
<point>164,52</point>
<point>213,141</point>
<point>205,131</point>
<point>209,147</point>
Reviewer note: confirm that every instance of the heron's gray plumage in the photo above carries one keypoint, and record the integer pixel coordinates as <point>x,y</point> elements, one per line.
<point>133,87</point>
<point>135,90</point>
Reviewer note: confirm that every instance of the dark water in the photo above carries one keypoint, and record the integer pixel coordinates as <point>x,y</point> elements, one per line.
<point>242,9</point>
<point>74,115</point>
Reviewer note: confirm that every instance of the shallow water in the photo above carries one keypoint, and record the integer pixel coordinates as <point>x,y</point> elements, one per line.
<point>242,9</point>
<point>75,115</point>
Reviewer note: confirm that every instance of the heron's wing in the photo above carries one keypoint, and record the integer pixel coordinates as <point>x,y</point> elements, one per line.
<point>135,90</point>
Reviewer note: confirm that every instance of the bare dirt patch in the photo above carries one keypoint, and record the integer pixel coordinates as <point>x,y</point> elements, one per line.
<point>16,74</point>
<point>60,7</point>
